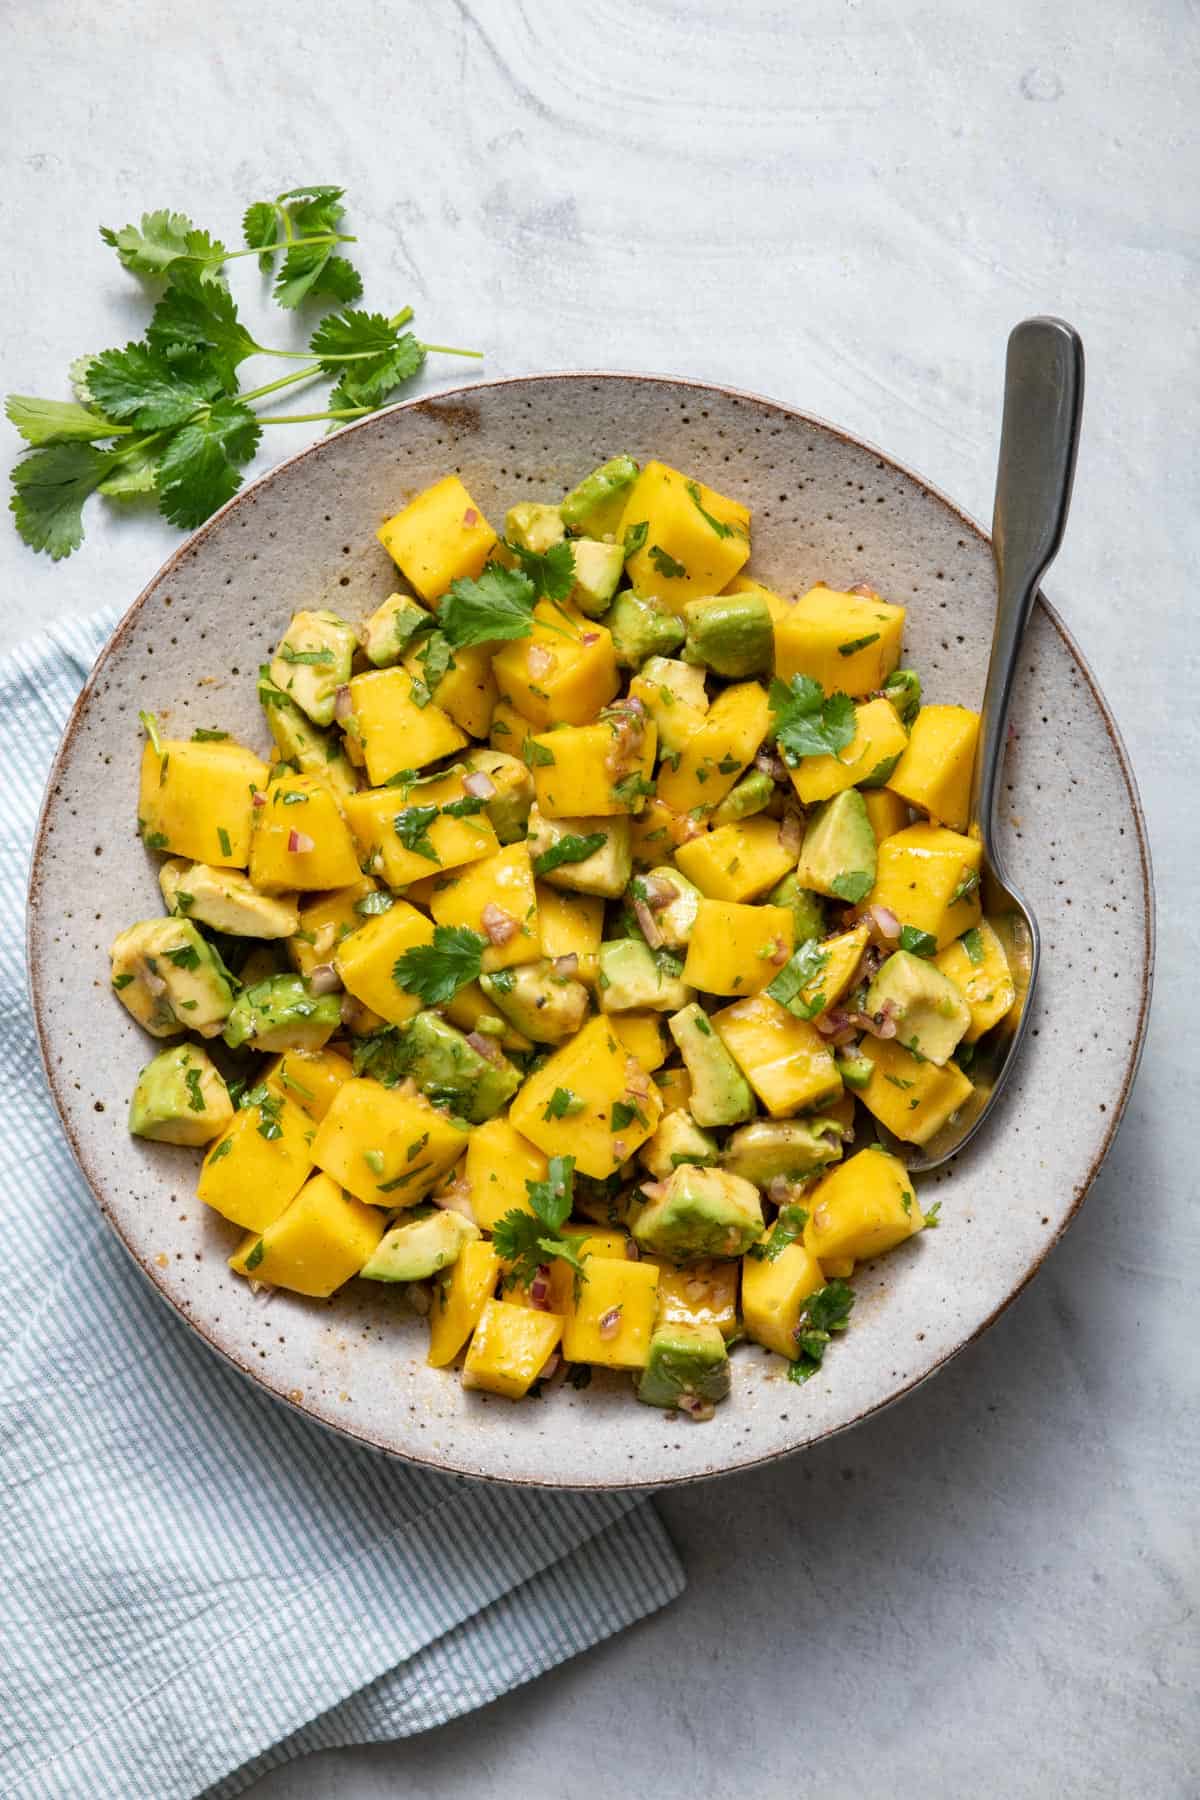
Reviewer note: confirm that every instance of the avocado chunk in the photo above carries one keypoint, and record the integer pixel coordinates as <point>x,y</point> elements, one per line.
<point>309,751</point>
<point>389,632</point>
<point>547,1007</point>
<point>838,853</point>
<point>930,1013</point>
<point>641,628</point>
<point>419,1247</point>
<point>792,1148</point>
<point>451,1072</point>
<point>634,978</point>
<point>687,1365</point>
<point>180,1098</point>
<point>313,661</point>
<point>534,526</point>
<point>508,808</point>
<point>683,682</point>
<point>226,900</point>
<point>677,917</point>
<point>903,689</point>
<point>282,1013</point>
<point>807,909</point>
<point>721,1095</point>
<point>170,978</point>
<point>746,797</point>
<point>605,870</point>
<point>731,634</point>
<point>596,505</point>
<point>699,1213</point>
<point>856,1071</point>
<point>677,1140</point>
<point>598,569</point>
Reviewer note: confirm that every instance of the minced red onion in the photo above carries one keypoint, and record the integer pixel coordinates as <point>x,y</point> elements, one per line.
<point>659,893</point>
<point>498,926</point>
<point>696,1409</point>
<point>886,922</point>
<point>299,843</point>
<point>479,785</point>
<point>779,1190</point>
<point>456,1198</point>
<point>485,1044</point>
<point>258,798</point>
<point>589,637</point>
<point>632,1252</point>
<point>609,1323</point>
<point>649,927</point>
<point>779,953</point>
<point>470,518</point>
<point>539,661</point>
<point>830,1022</point>
<point>618,1149</point>
<point>653,1190</point>
<point>539,1290</point>
<point>324,979</point>
<point>771,765</point>
<point>566,966</point>
<point>343,705</point>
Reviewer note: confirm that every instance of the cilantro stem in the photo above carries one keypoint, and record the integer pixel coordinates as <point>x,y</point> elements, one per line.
<point>287,243</point>
<point>345,412</point>
<point>449,350</point>
<point>271,387</point>
<point>396,320</point>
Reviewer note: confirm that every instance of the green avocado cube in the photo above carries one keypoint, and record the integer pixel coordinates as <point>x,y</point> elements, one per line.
<point>688,1365</point>
<point>282,1013</point>
<point>634,978</point>
<point>451,1072</point>
<point>419,1247</point>
<point>596,505</point>
<point>313,661</point>
<point>700,1213</point>
<point>837,856</point>
<point>598,569</point>
<point>641,628</point>
<point>731,634</point>
<point>930,1013</point>
<point>180,1098</point>
<point>721,1095</point>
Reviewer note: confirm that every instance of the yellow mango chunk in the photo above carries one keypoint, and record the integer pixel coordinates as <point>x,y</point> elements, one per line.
<point>696,540</point>
<point>737,862</point>
<point>621,1106</point>
<point>736,949</point>
<point>563,673</point>
<point>440,537</point>
<point>715,754</point>
<point>504,882</point>
<point>499,1163</point>
<point>934,773</point>
<point>300,840</point>
<point>309,1077</point>
<point>366,960</point>
<point>929,877</point>
<point>657,830</point>
<point>777,604</point>
<point>459,1297</point>
<point>644,1036</point>
<point>914,1099</point>
<point>978,967</point>
<point>887,812</point>
<point>612,1320</point>
<point>389,1148</point>
<point>322,923</point>
<point>194,800</point>
<point>559,1276</point>
<point>703,1293</point>
<point>593,769</point>
<point>248,1176</point>
<point>848,642</point>
<point>571,925</point>
<point>509,1348</point>
<point>786,1060</point>
<point>674,1088</point>
<point>467,691</point>
<point>773,1294</point>
<point>322,1239</point>
<point>842,954</point>
<point>392,730</point>
<point>879,738</point>
<point>508,729</point>
<point>378,817</point>
<point>861,1209</point>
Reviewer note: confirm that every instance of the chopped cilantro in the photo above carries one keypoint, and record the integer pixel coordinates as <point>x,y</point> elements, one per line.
<point>156,840</point>
<point>852,885</point>
<point>933,1216</point>
<point>223,840</point>
<point>972,943</point>
<point>861,643</point>
<point>798,972</point>
<point>122,981</point>
<point>310,658</point>
<point>569,849</point>
<point>966,887</point>
<point>823,1313</point>
<point>563,1103</point>
<point>201,736</point>
<point>537,756</point>
<point>921,943</point>
<point>807,721</point>
<point>666,564</point>
<point>256,1254</point>
<point>411,826</point>
<point>436,971</point>
<point>195,1091</point>
<point>222,1149</point>
<point>185,957</point>
<point>789,1227</point>
<point>719,526</point>
<point>635,537</point>
<point>371,905</point>
<point>623,1114</point>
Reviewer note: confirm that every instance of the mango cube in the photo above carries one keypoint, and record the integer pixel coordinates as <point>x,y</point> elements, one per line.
<point>850,643</point>
<point>774,1292</point>
<point>563,673</point>
<point>309,1077</point>
<point>611,1321</point>
<point>929,877</point>
<point>868,759</point>
<point>499,1163</point>
<point>571,925</point>
<point>913,1098</point>
<point>736,949</point>
<point>786,1060</point>
<point>300,840</point>
<point>737,862</point>
<point>502,882</point>
<point>585,768</point>
<point>321,1240</point>
<point>863,1208</point>
<point>509,1348</point>
<point>703,1293</point>
<point>695,540</point>
<point>258,1164</point>
<point>393,730</point>
<point>389,1148</point>
<point>508,729</point>
<point>395,832</point>
<point>367,958</point>
<point>644,1036</point>
<point>715,754</point>
<point>887,812</point>
<point>194,800</point>
<point>978,965</point>
<point>459,1297</point>
<point>842,955</point>
<point>323,921</point>
<point>467,691</point>
<point>935,770</point>
<point>621,1106</point>
<point>656,830</point>
<point>440,537</point>
<point>674,1088</point>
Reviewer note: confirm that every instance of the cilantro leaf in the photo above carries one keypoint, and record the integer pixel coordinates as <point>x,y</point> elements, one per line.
<point>199,470</point>
<point>55,421</point>
<point>798,972</point>
<point>972,943</point>
<point>260,226</point>
<point>436,971</point>
<point>50,487</point>
<point>139,386</point>
<point>383,357</point>
<point>719,526</point>
<point>310,270</point>
<point>807,722</point>
<point>569,849</point>
<point>858,643</point>
<point>789,1229</point>
<point>411,825</point>
<point>563,1103</point>
<point>552,572</point>
<point>551,1199</point>
<point>852,885</point>
<point>164,241</point>
<point>527,1240</point>
<point>921,943</point>
<point>665,563</point>
<point>823,1313</point>
<point>499,605</point>
<point>383,1054</point>
<point>136,472</point>
<point>199,318</point>
<point>635,537</point>
<point>435,658</point>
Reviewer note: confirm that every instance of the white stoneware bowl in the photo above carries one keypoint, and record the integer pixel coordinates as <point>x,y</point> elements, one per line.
<point>825,506</point>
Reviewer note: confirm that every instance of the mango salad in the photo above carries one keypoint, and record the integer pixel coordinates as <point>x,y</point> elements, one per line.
<point>592,910</point>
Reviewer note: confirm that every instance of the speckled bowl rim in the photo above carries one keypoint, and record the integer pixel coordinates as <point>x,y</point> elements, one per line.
<point>467,392</point>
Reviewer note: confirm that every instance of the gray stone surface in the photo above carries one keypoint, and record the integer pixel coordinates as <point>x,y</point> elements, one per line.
<point>991,1589</point>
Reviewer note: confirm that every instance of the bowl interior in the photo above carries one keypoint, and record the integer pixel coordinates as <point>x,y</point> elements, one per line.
<point>825,507</point>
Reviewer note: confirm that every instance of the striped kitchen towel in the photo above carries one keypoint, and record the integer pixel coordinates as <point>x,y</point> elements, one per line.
<point>195,1583</point>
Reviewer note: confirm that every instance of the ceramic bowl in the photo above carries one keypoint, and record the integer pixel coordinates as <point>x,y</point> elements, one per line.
<point>825,507</point>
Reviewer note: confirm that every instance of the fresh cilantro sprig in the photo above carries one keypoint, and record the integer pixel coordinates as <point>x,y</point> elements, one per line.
<point>527,1240</point>
<point>498,605</point>
<point>789,1229</point>
<point>823,1313</point>
<point>808,722</point>
<point>437,970</point>
<point>166,415</point>
<point>552,571</point>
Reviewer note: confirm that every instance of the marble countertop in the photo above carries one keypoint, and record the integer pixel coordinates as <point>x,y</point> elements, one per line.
<point>990,1589</point>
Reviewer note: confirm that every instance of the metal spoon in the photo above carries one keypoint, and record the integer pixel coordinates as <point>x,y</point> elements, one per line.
<point>1043,401</point>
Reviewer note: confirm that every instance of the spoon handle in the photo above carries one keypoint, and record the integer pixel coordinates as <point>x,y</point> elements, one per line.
<point>1043,401</point>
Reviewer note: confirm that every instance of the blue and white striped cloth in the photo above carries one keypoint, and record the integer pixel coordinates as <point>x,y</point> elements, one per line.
<point>195,1584</point>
